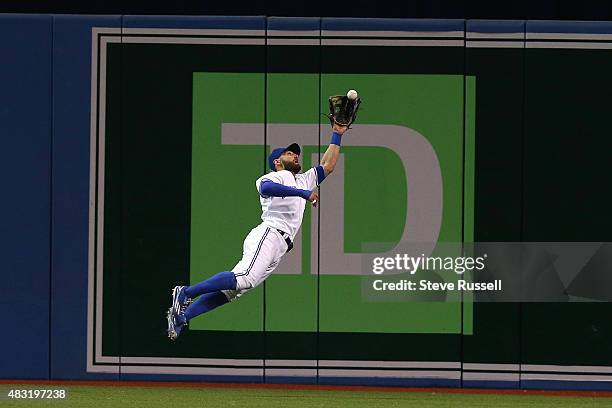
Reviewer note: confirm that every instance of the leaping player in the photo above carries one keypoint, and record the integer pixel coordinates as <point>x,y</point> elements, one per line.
<point>283,195</point>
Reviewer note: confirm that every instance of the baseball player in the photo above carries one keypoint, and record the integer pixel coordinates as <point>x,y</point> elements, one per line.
<point>283,195</point>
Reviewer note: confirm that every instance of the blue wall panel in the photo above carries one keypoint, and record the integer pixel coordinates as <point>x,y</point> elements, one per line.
<point>294,23</point>
<point>568,27</point>
<point>25,131</point>
<point>72,55</point>
<point>196,22</point>
<point>495,26</point>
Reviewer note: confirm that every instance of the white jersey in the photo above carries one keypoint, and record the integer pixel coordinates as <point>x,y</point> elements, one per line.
<point>285,213</point>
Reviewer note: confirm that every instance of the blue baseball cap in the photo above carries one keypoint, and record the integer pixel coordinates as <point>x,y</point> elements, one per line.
<point>276,153</point>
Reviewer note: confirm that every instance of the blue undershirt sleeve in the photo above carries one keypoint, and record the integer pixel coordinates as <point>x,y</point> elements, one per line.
<point>320,174</point>
<point>269,188</point>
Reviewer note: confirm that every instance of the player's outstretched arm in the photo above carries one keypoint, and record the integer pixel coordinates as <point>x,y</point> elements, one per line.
<point>329,159</point>
<point>271,189</point>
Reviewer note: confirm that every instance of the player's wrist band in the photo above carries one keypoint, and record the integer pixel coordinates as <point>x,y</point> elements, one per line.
<point>336,138</point>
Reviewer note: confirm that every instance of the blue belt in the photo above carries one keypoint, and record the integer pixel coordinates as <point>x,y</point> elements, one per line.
<point>287,239</point>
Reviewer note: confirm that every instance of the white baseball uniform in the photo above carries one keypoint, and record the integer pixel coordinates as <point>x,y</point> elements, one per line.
<point>265,244</point>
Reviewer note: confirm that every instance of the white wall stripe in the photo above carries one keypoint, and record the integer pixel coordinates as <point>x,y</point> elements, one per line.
<point>495,36</point>
<point>193,31</point>
<point>453,375</point>
<point>100,192</point>
<point>105,359</point>
<point>569,45</point>
<point>292,363</point>
<point>467,376</point>
<point>495,44</point>
<point>105,30</point>
<point>390,364</point>
<point>291,372</point>
<point>193,40</point>
<point>565,377</point>
<point>389,33</point>
<point>294,33</point>
<point>257,372</point>
<point>103,369</point>
<point>293,41</point>
<point>391,42</point>
<point>92,194</point>
<point>565,369</point>
<point>568,36</point>
<point>290,33</point>
<point>192,361</point>
<point>332,364</point>
<point>491,367</point>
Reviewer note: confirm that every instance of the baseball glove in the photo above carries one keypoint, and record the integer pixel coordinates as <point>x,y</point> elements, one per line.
<point>343,110</point>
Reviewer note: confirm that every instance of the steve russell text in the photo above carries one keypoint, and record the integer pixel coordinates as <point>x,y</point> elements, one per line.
<point>427,285</point>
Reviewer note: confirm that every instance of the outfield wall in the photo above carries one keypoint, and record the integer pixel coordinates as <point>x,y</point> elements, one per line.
<point>130,149</point>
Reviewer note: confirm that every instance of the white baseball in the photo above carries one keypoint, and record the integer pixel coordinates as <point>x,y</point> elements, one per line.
<point>352,94</point>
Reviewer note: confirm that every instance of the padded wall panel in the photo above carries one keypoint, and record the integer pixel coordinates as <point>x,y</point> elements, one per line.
<point>25,164</point>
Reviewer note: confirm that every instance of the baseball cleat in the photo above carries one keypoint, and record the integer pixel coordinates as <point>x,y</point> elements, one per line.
<point>171,329</point>
<point>180,301</point>
<point>176,323</point>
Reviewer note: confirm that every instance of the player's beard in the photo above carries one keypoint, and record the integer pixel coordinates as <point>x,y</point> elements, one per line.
<point>292,166</point>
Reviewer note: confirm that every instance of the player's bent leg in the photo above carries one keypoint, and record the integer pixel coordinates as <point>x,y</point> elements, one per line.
<point>220,281</point>
<point>245,284</point>
<point>205,303</point>
<point>262,253</point>
<point>256,265</point>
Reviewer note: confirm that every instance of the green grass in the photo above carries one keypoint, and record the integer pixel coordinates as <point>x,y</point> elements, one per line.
<point>152,397</point>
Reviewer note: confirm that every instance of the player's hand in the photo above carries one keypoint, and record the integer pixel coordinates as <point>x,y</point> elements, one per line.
<point>314,198</point>
<point>338,128</point>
